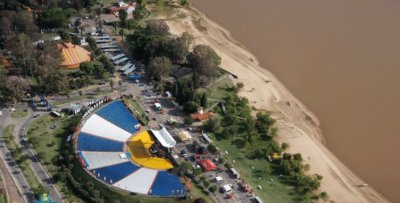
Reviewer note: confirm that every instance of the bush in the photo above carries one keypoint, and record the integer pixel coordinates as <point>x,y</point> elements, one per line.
<point>212,189</point>
<point>228,165</point>
<point>188,120</point>
<point>190,107</point>
<point>212,148</point>
<point>206,183</point>
<point>200,200</point>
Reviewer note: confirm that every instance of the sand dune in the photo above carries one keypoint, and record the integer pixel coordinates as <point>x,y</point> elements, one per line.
<point>298,126</point>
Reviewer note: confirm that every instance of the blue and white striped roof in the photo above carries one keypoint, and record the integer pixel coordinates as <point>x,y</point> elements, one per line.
<point>100,144</point>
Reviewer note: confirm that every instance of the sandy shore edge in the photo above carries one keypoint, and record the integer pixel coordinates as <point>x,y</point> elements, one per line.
<point>298,126</point>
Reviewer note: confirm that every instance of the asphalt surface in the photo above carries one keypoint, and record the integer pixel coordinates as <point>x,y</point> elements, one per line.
<point>11,166</point>
<point>40,172</point>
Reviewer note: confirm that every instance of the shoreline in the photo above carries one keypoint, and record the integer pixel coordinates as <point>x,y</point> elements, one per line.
<point>297,125</point>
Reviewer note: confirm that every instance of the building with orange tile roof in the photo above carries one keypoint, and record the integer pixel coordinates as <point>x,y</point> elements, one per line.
<point>73,55</point>
<point>201,115</point>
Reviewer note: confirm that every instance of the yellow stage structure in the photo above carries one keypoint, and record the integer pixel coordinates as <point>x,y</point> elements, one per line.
<point>139,146</point>
<point>73,55</point>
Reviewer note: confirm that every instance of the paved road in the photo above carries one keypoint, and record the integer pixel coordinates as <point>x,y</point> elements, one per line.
<point>40,172</point>
<point>11,171</point>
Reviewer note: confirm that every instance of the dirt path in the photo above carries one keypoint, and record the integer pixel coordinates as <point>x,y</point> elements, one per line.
<point>13,194</point>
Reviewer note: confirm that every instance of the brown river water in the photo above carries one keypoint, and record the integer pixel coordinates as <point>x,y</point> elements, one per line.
<point>341,58</point>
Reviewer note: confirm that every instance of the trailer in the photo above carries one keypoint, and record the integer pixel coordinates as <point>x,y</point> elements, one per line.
<point>116,57</point>
<point>119,61</point>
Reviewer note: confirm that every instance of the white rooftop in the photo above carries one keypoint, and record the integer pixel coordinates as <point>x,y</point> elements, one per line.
<point>164,137</point>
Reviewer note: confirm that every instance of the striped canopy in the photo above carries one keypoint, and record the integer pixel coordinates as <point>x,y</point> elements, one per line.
<point>73,55</point>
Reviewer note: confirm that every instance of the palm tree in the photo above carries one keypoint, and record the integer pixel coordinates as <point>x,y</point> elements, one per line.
<point>112,84</point>
<point>121,33</point>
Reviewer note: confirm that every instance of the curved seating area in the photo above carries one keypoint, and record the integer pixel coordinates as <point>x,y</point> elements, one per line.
<point>87,142</point>
<point>120,116</point>
<point>163,183</point>
<point>100,145</point>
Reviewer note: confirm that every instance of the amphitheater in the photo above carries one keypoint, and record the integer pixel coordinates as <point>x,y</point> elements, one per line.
<point>114,149</point>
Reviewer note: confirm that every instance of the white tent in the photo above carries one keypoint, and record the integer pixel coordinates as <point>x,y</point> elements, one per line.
<point>184,136</point>
<point>164,137</point>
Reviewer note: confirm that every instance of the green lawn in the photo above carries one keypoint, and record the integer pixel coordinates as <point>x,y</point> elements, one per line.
<point>24,166</point>
<point>196,192</point>
<point>48,144</point>
<point>272,190</point>
<point>3,198</point>
<point>137,108</point>
<point>19,113</point>
<point>220,89</point>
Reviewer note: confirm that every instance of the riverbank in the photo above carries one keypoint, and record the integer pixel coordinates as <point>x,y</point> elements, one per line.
<point>298,126</point>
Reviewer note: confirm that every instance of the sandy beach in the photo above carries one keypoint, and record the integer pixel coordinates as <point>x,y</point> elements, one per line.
<point>297,125</point>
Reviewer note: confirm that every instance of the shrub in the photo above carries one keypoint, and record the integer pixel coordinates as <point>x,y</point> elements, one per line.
<point>212,148</point>
<point>212,189</point>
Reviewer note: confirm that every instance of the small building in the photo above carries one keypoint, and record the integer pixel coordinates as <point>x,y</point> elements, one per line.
<point>121,5</point>
<point>74,108</point>
<point>201,115</point>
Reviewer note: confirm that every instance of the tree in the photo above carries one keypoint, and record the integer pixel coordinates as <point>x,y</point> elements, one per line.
<point>203,101</point>
<point>53,18</point>
<point>112,84</point>
<point>239,85</point>
<point>159,28</point>
<point>213,124</point>
<point>323,195</point>
<point>183,2</point>
<point>130,25</point>
<point>123,15</point>
<point>121,33</point>
<point>190,107</point>
<point>212,148</point>
<point>87,67</point>
<point>158,67</point>
<point>178,48</point>
<point>284,146</point>
<point>204,61</point>
<point>98,90</point>
<point>200,200</point>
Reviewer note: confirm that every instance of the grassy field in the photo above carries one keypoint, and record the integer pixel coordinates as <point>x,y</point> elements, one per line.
<point>253,171</point>
<point>19,113</point>
<point>135,107</point>
<point>48,143</point>
<point>220,89</point>
<point>196,192</point>
<point>3,198</point>
<point>24,166</point>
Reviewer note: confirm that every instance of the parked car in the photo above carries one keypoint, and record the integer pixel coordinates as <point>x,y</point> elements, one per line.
<point>183,153</point>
